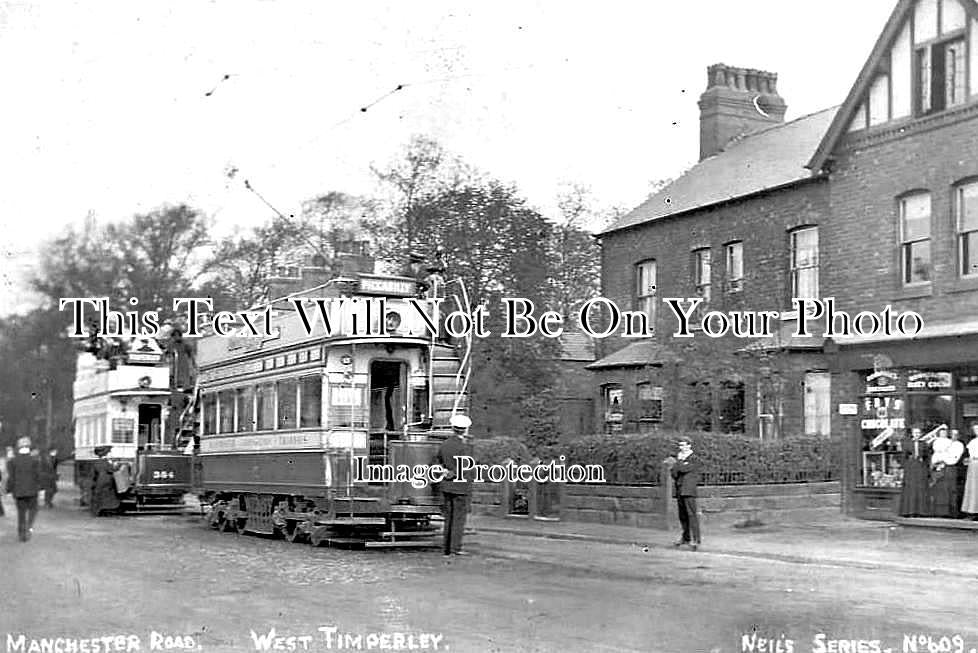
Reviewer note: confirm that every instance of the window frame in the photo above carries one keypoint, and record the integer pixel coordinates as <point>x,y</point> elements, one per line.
<point>646,302</point>
<point>906,245</point>
<point>964,253</point>
<point>794,270</point>
<point>734,284</point>
<point>926,52</point>
<point>703,272</point>
<point>640,403</point>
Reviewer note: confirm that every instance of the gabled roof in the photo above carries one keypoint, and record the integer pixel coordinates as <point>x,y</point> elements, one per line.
<point>873,64</point>
<point>762,160</point>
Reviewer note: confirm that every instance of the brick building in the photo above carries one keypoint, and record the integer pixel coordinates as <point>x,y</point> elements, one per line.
<point>740,231</point>
<point>902,160</point>
<point>874,204</point>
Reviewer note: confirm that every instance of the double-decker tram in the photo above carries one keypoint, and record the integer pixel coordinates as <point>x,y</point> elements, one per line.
<point>122,406</point>
<point>339,379</point>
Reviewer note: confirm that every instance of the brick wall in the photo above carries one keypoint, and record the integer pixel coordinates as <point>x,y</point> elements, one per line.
<point>860,252</point>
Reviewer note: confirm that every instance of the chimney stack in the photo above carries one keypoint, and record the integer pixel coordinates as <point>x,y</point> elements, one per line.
<point>736,101</point>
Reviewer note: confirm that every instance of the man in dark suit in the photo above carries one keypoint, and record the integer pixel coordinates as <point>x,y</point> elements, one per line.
<point>455,489</point>
<point>24,482</point>
<point>686,475</point>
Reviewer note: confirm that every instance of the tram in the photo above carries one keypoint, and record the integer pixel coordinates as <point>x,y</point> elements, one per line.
<point>123,402</point>
<point>290,417</point>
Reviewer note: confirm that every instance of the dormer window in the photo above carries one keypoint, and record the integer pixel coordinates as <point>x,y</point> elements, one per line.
<point>941,81</point>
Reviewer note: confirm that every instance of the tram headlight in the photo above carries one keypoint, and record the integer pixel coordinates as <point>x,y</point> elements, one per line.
<point>393,320</point>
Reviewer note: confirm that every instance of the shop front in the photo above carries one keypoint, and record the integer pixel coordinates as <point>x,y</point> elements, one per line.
<point>908,421</point>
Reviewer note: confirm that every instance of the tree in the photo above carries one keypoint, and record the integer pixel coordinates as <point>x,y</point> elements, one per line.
<point>577,256</point>
<point>153,257</point>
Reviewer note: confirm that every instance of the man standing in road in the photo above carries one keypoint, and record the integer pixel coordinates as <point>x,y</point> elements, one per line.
<point>686,476</point>
<point>455,489</point>
<point>24,482</point>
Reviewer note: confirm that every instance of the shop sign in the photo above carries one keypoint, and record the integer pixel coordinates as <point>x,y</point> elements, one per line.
<point>969,409</point>
<point>929,381</point>
<point>891,423</point>
<point>882,381</point>
<point>848,409</point>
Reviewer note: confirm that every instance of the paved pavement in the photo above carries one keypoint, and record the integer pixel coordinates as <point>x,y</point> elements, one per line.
<point>827,540</point>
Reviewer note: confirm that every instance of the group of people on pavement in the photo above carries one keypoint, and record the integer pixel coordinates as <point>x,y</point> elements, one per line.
<point>24,474</point>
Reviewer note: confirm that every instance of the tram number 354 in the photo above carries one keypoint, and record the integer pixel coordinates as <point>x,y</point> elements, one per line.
<point>163,475</point>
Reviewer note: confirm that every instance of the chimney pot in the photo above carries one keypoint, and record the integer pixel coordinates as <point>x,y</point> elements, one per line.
<point>729,105</point>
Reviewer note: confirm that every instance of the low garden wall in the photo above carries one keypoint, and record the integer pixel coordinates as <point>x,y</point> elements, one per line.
<point>742,478</point>
<point>650,506</point>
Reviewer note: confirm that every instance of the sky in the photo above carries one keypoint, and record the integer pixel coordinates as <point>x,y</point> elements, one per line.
<point>116,108</point>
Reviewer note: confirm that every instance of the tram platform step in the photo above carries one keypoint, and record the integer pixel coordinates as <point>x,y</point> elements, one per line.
<point>352,521</point>
<point>395,545</point>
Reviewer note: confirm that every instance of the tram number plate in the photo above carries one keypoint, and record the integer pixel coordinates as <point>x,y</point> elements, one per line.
<point>163,475</point>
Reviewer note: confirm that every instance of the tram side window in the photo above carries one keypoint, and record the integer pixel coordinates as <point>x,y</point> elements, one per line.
<point>287,403</point>
<point>419,404</point>
<point>266,406</point>
<point>225,403</point>
<point>210,414</point>
<point>245,398</point>
<point>311,401</point>
<point>123,430</point>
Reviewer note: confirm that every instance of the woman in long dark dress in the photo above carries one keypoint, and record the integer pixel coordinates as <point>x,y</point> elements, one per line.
<point>913,496</point>
<point>104,496</point>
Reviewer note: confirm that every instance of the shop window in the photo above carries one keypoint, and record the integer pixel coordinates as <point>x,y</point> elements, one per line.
<point>225,411</point>
<point>735,266</point>
<point>645,284</point>
<point>287,403</point>
<point>940,76</point>
<point>915,238</point>
<point>265,405</point>
<point>818,408</point>
<point>702,272</point>
<point>883,424</point>
<point>649,402</point>
<point>210,414</point>
<point>311,401</point>
<point>245,400</point>
<point>804,263</point>
<point>966,214</point>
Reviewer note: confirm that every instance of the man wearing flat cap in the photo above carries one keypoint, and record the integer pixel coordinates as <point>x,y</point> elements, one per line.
<point>455,488</point>
<point>24,483</point>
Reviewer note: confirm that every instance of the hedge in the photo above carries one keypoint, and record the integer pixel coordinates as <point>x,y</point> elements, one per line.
<point>727,459</point>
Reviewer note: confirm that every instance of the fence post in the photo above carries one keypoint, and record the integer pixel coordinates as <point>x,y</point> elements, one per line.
<point>670,512</point>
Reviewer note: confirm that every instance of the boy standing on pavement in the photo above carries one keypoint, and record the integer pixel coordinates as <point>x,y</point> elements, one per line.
<point>24,482</point>
<point>686,474</point>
